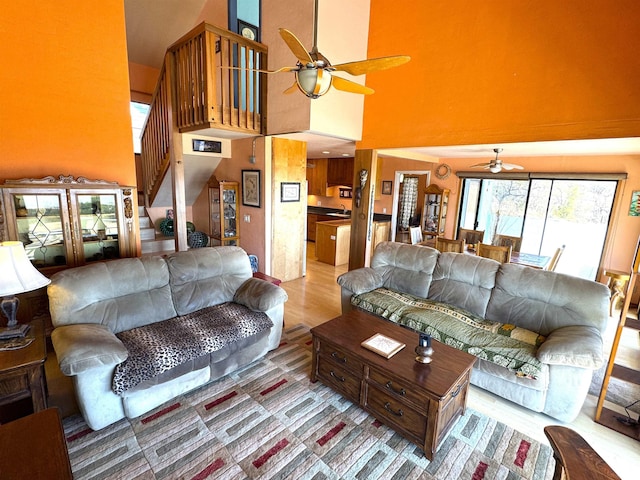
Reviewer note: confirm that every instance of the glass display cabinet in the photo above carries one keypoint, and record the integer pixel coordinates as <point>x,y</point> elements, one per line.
<point>223,213</point>
<point>67,223</point>
<point>434,211</point>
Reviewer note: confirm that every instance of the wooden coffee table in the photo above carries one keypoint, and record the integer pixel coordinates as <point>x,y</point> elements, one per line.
<point>419,401</point>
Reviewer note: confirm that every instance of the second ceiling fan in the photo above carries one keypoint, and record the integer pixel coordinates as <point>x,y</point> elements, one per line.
<point>496,165</point>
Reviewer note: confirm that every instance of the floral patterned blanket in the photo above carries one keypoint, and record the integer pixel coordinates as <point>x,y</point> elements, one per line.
<point>158,347</point>
<point>507,345</point>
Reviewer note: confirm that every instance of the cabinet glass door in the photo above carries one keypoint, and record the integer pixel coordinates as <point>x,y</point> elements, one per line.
<point>39,220</point>
<point>98,222</point>
<point>230,210</point>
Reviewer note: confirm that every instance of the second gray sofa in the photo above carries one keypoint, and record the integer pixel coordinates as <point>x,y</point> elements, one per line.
<point>560,317</point>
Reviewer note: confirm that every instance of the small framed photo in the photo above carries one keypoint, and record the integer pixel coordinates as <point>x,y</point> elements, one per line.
<point>251,188</point>
<point>634,208</point>
<point>382,345</point>
<point>248,31</point>
<point>290,192</point>
<point>387,186</point>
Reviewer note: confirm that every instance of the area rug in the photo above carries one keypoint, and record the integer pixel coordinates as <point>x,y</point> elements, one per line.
<point>619,392</point>
<point>268,421</point>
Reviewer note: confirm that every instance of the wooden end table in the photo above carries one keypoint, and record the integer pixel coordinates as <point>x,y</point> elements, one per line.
<point>419,401</point>
<point>22,370</point>
<point>34,447</point>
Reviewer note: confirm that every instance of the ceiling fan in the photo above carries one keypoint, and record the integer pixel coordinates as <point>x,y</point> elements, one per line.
<point>314,72</point>
<point>496,165</point>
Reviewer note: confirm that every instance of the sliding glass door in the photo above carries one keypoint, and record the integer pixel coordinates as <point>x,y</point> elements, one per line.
<point>547,213</point>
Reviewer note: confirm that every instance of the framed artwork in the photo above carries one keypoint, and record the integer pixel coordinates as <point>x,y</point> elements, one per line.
<point>290,192</point>
<point>248,31</point>
<point>251,188</point>
<point>387,185</point>
<point>634,208</point>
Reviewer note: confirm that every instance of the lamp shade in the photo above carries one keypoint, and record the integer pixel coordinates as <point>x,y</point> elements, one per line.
<point>18,274</point>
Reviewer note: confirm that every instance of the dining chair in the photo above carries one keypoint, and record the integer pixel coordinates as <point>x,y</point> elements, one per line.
<point>555,259</point>
<point>504,240</point>
<point>495,252</point>
<point>415,233</point>
<point>448,245</point>
<point>471,237</point>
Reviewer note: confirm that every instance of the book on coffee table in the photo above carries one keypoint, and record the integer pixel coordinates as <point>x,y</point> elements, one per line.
<point>385,346</point>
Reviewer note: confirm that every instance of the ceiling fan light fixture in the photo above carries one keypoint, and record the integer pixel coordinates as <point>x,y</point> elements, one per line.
<point>313,82</point>
<point>495,168</point>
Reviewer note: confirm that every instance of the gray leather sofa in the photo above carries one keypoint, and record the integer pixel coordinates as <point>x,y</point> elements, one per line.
<point>90,305</point>
<point>571,313</point>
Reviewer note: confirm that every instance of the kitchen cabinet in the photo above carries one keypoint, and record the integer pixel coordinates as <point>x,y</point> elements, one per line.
<point>223,213</point>
<point>333,241</point>
<point>323,173</point>
<point>381,231</point>
<point>434,211</point>
<point>66,222</point>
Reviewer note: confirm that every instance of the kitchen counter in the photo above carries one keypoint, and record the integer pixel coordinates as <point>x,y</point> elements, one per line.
<point>333,240</point>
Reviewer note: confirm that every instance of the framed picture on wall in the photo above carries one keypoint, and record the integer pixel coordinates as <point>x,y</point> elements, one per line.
<point>248,31</point>
<point>387,186</point>
<point>251,188</point>
<point>290,192</point>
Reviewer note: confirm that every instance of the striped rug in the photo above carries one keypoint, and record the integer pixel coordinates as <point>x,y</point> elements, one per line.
<point>267,421</point>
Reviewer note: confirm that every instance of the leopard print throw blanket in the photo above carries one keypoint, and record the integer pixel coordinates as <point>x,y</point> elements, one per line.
<point>158,347</point>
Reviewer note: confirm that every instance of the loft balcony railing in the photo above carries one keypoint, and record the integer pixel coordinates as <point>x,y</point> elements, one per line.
<point>208,81</point>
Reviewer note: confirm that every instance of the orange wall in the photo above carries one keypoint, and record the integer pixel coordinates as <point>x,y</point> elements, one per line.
<point>503,71</point>
<point>65,91</point>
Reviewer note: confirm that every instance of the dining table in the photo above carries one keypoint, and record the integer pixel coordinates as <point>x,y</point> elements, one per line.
<point>527,259</point>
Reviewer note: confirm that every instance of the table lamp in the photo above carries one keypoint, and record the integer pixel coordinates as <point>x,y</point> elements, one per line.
<point>17,275</point>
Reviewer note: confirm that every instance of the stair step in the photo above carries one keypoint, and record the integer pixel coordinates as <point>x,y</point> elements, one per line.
<point>160,244</point>
<point>142,212</point>
<point>145,222</point>
<point>147,233</point>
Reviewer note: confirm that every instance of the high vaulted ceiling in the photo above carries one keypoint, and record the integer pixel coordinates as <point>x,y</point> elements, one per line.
<point>154,25</point>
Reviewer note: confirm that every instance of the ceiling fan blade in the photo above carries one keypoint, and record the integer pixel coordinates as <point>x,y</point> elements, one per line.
<point>483,165</point>
<point>511,166</point>
<point>283,69</point>
<point>349,86</point>
<point>371,65</point>
<point>295,46</point>
<point>292,88</point>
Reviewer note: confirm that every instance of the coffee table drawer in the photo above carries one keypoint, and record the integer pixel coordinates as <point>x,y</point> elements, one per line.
<point>339,378</point>
<point>388,409</point>
<point>340,357</point>
<point>398,388</point>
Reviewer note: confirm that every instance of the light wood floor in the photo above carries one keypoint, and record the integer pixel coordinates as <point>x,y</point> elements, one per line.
<point>315,299</point>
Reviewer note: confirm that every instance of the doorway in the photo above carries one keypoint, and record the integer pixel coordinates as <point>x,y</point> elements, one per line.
<point>400,233</point>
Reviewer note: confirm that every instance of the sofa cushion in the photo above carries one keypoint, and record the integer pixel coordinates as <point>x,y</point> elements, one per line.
<point>405,268</point>
<point>121,294</point>
<point>506,345</point>
<point>208,276</point>
<point>544,301</point>
<point>157,348</point>
<point>464,280</point>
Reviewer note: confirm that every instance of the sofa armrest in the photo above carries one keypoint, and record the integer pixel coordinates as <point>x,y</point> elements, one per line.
<point>576,345</point>
<point>83,346</point>
<point>361,280</point>
<point>260,295</point>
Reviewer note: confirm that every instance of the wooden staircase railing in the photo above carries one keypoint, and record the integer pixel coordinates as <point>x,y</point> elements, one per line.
<point>208,81</point>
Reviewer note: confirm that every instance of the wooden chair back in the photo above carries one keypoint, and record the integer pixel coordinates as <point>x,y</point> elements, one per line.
<point>495,252</point>
<point>448,245</point>
<point>415,233</point>
<point>505,240</point>
<point>471,237</point>
<point>555,259</point>
<point>575,458</point>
